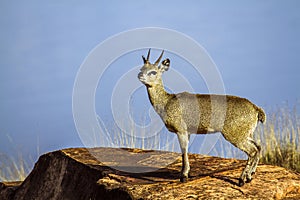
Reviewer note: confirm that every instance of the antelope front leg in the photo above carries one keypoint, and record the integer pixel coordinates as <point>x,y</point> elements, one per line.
<point>183,139</point>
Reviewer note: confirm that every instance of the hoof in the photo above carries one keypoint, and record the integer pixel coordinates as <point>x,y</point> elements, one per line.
<point>241,182</point>
<point>248,180</point>
<point>253,173</point>
<point>183,179</point>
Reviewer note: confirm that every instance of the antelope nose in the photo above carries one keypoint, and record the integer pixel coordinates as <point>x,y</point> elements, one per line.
<point>140,75</point>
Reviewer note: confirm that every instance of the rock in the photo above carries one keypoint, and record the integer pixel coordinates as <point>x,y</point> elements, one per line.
<point>7,190</point>
<point>108,173</point>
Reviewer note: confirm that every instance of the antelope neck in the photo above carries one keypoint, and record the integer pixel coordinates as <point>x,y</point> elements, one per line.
<point>158,97</point>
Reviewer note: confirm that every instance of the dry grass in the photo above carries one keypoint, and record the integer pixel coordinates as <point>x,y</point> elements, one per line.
<point>280,138</point>
<point>113,136</point>
<point>13,169</point>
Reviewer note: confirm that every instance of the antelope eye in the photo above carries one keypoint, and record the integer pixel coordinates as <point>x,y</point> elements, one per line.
<point>152,73</point>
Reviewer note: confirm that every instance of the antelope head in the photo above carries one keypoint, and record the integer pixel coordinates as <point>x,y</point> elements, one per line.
<point>150,74</point>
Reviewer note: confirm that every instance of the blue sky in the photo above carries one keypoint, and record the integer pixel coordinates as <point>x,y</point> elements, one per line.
<point>255,45</point>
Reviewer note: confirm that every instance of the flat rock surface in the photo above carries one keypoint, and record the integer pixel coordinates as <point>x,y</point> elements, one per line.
<point>109,173</point>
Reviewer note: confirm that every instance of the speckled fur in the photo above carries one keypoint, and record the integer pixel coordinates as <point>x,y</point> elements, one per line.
<point>185,113</point>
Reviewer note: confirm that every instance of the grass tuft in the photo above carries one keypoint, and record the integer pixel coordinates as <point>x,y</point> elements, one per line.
<point>13,169</point>
<point>280,138</point>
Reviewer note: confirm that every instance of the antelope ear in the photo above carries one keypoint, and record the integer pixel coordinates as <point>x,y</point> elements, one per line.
<point>165,64</point>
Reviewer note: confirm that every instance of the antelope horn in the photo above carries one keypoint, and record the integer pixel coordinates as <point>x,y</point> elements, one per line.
<point>158,60</point>
<point>148,55</point>
<point>146,61</point>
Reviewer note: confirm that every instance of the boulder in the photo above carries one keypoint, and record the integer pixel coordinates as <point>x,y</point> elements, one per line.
<point>111,173</point>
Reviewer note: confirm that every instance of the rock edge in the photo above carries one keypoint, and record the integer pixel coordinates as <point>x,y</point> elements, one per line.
<point>108,173</point>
